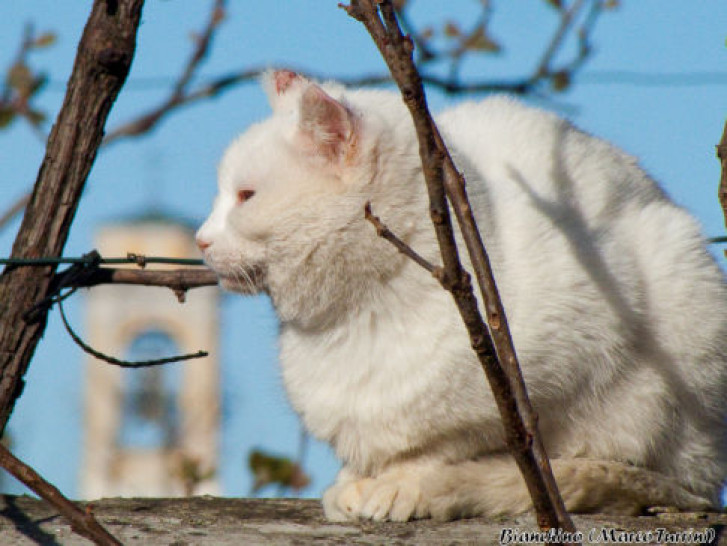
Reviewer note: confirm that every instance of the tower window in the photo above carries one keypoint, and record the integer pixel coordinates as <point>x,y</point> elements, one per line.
<point>150,414</point>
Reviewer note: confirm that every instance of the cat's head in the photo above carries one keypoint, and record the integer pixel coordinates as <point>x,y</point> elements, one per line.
<point>292,188</point>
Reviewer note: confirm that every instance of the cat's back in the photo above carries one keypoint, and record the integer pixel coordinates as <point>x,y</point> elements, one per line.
<point>522,150</point>
<point>564,209</point>
<point>533,176</point>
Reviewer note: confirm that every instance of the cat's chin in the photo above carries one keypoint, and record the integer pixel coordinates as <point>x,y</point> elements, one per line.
<point>251,283</point>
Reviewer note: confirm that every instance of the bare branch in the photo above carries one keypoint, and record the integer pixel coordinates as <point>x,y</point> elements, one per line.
<point>104,56</point>
<point>519,419</point>
<point>384,232</point>
<point>203,45</point>
<point>20,84</point>
<point>184,94</point>
<point>567,17</point>
<point>722,190</point>
<point>179,93</point>
<point>85,272</point>
<point>424,54</point>
<point>179,280</point>
<point>178,97</point>
<point>82,522</point>
<point>14,209</point>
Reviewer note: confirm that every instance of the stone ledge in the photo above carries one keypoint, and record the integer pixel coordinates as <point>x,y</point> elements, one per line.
<point>221,522</point>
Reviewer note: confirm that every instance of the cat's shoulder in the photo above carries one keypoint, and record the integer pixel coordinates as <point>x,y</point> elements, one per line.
<point>503,113</point>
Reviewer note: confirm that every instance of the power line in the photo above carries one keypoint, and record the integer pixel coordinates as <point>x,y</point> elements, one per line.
<point>595,77</point>
<point>653,79</point>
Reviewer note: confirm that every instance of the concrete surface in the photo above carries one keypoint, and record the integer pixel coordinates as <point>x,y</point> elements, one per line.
<point>222,522</point>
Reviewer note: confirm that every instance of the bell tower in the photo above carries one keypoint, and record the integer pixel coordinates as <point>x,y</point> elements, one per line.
<point>150,431</point>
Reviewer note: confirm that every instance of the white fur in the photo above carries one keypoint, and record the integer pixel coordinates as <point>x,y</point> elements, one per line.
<point>618,313</point>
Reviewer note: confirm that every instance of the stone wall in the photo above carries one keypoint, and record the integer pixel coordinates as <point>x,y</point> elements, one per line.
<point>242,522</point>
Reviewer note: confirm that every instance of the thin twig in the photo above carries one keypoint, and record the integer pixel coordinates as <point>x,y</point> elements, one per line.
<point>82,522</point>
<point>722,190</point>
<point>85,272</point>
<point>503,371</point>
<point>424,54</point>
<point>178,280</point>
<point>204,41</point>
<point>384,232</point>
<point>174,279</point>
<point>181,95</point>
<point>458,53</point>
<point>14,209</point>
<point>567,17</point>
<point>178,95</point>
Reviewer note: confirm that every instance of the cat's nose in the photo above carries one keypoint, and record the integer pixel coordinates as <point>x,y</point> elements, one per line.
<point>202,244</point>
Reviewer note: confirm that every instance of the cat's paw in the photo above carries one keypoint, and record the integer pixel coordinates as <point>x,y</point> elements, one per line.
<point>393,496</point>
<point>343,501</point>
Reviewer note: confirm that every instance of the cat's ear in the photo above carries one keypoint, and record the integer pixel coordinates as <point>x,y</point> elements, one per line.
<point>280,87</point>
<point>326,123</point>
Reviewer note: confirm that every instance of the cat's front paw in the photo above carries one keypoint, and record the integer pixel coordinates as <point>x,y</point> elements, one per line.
<point>393,496</point>
<point>343,501</point>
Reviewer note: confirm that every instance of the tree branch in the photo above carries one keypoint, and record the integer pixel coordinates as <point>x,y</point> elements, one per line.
<point>82,522</point>
<point>519,420</point>
<point>722,190</point>
<point>178,280</point>
<point>184,94</point>
<point>14,209</point>
<point>385,233</point>
<point>178,97</point>
<point>557,40</point>
<point>104,56</point>
<point>21,85</point>
<point>179,94</point>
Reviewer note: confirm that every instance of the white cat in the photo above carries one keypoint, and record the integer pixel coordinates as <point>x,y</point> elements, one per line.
<point>618,313</point>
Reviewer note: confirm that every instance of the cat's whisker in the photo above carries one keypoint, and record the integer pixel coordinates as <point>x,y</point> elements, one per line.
<point>246,280</point>
<point>238,274</point>
<point>244,277</point>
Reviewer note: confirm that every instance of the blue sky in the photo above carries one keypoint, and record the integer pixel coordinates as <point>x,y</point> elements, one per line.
<point>670,123</point>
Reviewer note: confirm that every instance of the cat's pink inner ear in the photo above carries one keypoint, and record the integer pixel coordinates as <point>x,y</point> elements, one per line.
<point>283,79</point>
<point>327,122</point>
<point>281,87</point>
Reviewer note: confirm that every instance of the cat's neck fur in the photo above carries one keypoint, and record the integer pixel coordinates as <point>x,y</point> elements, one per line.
<point>319,282</point>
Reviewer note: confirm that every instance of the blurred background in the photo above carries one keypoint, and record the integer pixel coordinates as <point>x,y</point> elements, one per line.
<point>651,76</point>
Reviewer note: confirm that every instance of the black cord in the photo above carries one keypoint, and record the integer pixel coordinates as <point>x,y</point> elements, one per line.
<point>69,279</point>
<point>115,361</point>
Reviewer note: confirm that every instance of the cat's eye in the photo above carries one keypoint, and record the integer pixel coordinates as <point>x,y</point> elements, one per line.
<point>244,195</point>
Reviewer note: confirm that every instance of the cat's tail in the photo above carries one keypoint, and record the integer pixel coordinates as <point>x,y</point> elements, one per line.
<point>495,487</point>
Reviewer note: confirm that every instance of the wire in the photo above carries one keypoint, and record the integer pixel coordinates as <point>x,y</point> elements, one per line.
<point>115,361</point>
<point>593,77</point>
<point>131,258</point>
<point>69,279</point>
